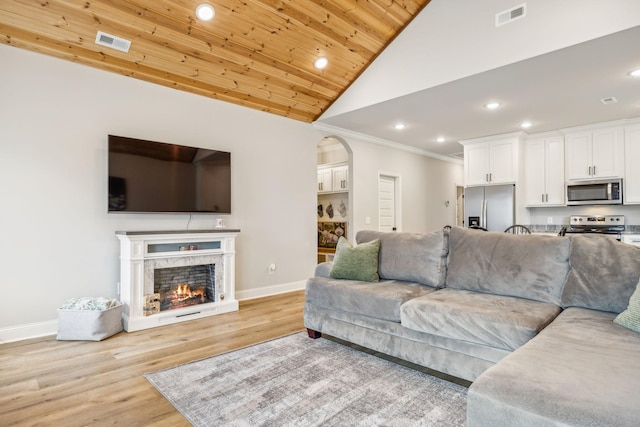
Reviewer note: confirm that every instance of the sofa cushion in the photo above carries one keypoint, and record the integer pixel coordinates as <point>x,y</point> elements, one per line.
<point>581,370</point>
<point>604,273</point>
<point>381,300</point>
<point>411,257</point>
<point>630,318</point>
<point>497,321</point>
<point>356,262</point>
<point>323,269</point>
<point>453,357</point>
<point>525,266</point>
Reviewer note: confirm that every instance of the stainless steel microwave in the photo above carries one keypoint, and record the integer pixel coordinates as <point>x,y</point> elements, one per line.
<point>595,192</point>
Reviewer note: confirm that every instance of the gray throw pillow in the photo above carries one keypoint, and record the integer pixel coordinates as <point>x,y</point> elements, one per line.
<point>356,262</point>
<point>630,318</point>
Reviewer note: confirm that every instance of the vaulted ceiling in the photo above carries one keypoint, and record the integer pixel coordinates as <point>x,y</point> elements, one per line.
<point>255,53</point>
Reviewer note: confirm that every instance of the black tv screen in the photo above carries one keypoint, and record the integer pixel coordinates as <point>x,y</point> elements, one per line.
<point>156,177</point>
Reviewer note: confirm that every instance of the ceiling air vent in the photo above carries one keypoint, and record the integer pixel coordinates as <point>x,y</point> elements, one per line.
<point>511,15</point>
<point>459,155</point>
<point>113,42</point>
<point>609,100</point>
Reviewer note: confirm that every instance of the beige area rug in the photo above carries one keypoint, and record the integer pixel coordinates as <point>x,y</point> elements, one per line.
<point>297,381</point>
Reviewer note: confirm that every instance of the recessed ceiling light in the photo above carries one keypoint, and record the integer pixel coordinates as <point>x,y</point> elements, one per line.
<point>399,126</point>
<point>440,139</point>
<point>321,62</point>
<point>635,73</point>
<point>526,125</point>
<point>492,105</point>
<point>205,12</point>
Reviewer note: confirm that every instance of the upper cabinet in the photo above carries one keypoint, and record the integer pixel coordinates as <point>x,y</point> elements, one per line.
<point>325,179</point>
<point>333,178</point>
<point>544,171</point>
<point>631,195</point>
<point>488,162</point>
<point>594,154</point>
<point>340,178</point>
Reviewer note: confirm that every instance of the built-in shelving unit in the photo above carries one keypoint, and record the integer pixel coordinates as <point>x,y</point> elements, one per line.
<point>333,196</point>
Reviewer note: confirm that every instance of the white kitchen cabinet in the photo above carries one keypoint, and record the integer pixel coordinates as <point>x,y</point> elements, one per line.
<point>491,162</point>
<point>341,178</point>
<point>332,179</point>
<point>476,160</point>
<point>594,154</point>
<point>631,194</point>
<point>325,180</point>
<point>544,171</point>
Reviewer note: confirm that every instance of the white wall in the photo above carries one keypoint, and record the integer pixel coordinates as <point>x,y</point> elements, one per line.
<point>459,39</point>
<point>426,184</point>
<point>57,240</point>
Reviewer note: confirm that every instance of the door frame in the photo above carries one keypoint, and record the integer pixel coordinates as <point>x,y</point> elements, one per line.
<point>459,220</point>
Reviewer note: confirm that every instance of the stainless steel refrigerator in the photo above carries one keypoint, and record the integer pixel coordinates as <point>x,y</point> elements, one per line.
<point>491,207</point>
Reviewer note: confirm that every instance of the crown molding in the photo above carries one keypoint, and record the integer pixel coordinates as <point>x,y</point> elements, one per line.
<point>593,126</point>
<point>517,134</point>
<point>345,133</point>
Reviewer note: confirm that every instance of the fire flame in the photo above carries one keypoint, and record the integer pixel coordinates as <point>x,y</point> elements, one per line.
<point>183,291</point>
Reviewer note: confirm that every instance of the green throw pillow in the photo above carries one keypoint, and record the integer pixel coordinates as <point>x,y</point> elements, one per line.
<point>630,318</point>
<point>356,262</point>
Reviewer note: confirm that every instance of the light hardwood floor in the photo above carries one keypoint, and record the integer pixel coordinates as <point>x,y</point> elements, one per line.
<point>44,382</point>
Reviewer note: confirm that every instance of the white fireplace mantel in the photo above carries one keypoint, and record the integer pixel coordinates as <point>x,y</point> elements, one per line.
<point>142,251</point>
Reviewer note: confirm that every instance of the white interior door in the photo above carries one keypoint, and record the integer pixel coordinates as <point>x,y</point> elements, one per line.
<point>387,203</point>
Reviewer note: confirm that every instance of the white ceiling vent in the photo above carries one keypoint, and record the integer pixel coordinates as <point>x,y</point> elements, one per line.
<point>609,100</point>
<point>511,15</point>
<point>459,155</point>
<point>113,42</point>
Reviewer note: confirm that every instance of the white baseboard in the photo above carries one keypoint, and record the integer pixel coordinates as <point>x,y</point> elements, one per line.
<point>50,327</point>
<point>29,330</point>
<point>270,290</point>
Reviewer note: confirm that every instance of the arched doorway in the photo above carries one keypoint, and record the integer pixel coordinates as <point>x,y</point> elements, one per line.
<point>334,169</point>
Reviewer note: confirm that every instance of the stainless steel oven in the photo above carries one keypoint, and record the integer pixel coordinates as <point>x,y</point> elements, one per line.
<point>595,192</point>
<point>610,226</point>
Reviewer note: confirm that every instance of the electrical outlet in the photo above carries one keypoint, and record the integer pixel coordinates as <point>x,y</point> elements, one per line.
<point>367,220</point>
<point>549,220</point>
<point>272,268</point>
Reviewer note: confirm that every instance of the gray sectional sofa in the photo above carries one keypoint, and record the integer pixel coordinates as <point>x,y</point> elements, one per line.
<point>528,319</point>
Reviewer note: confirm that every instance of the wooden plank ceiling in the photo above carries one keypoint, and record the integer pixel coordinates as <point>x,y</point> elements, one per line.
<point>255,53</point>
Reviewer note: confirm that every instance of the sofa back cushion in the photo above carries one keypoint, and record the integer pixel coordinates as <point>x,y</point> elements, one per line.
<point>604,273</point>
<point>411,257</point>
<point>526,266</point>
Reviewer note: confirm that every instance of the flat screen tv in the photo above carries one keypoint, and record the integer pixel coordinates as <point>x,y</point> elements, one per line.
<point>156,177</point>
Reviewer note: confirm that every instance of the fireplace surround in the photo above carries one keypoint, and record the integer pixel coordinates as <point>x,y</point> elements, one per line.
<point>174,276</point>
